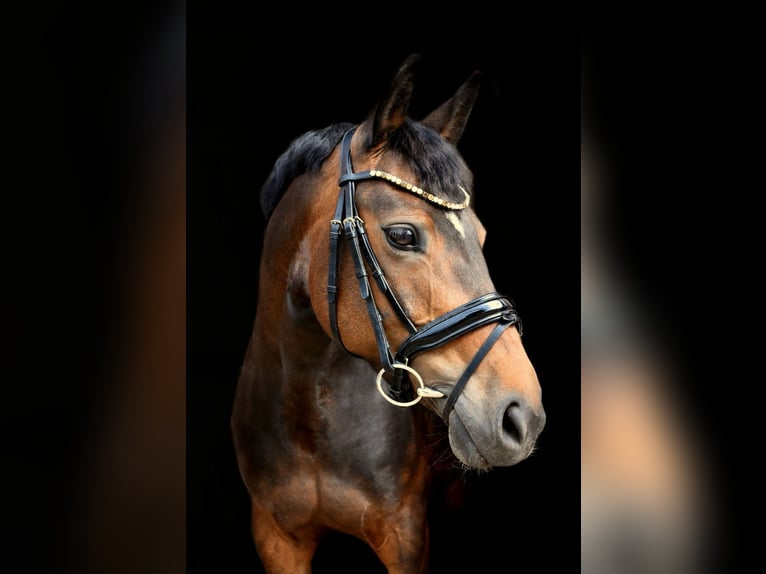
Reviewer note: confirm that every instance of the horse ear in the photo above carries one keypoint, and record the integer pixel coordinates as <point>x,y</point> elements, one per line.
<point>391,112</point>
<point>450,118</point>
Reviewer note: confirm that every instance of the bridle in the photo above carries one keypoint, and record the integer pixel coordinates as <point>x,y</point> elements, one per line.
<point>484,310</point>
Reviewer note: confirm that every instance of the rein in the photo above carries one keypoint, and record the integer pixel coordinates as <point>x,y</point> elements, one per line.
<point>484,310</point>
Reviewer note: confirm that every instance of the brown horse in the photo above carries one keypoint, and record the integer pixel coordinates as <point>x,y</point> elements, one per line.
<point>377,328</point>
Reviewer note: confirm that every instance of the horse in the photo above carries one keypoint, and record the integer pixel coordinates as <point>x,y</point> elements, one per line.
<point>377,328</point>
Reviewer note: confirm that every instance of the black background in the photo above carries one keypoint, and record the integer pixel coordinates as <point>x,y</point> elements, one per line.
<point>256,84</point>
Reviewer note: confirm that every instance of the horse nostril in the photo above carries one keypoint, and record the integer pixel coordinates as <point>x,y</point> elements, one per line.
<point>515,422</point>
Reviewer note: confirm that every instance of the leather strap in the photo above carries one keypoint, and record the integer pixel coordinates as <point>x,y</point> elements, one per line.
<point>481,311</point>
<point>347,218</point>
<point>469,370</point>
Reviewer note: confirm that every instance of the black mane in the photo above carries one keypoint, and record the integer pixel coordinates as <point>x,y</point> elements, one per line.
<point>304,155</point>
<point>438,166</point>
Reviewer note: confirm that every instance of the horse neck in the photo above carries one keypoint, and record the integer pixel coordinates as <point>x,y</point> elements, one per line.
<point>286,332</point>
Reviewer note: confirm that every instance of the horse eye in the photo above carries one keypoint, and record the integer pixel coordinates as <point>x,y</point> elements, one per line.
<point>402,236</point>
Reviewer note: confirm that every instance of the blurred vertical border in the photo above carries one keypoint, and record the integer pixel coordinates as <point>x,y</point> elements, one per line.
<point>92,398</point>
<point>669,246</point>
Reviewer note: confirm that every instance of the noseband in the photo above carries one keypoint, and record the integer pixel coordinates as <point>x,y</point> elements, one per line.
<point>484,310</point>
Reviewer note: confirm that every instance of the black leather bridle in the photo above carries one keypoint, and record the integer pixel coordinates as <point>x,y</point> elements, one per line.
<point>484,310</point>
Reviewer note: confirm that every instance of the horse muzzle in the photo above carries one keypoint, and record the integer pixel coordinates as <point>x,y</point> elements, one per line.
<point>505,437</point>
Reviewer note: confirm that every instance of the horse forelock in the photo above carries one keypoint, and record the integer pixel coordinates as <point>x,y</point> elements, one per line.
<point>304,155</point>
<point>437,164</point>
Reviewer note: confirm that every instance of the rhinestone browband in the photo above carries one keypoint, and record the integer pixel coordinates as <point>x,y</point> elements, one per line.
<point>419,191</point>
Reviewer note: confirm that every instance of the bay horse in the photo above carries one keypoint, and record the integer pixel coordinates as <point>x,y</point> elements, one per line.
<point>377,328</point>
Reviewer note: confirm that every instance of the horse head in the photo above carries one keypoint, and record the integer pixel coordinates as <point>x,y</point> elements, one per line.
<point>429,319</point>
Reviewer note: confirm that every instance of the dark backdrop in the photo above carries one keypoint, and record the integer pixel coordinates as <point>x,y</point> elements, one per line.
<point>256,84</point>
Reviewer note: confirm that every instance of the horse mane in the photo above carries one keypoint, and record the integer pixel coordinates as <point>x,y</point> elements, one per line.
<point>304,155</point>
<point>436,163</point>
